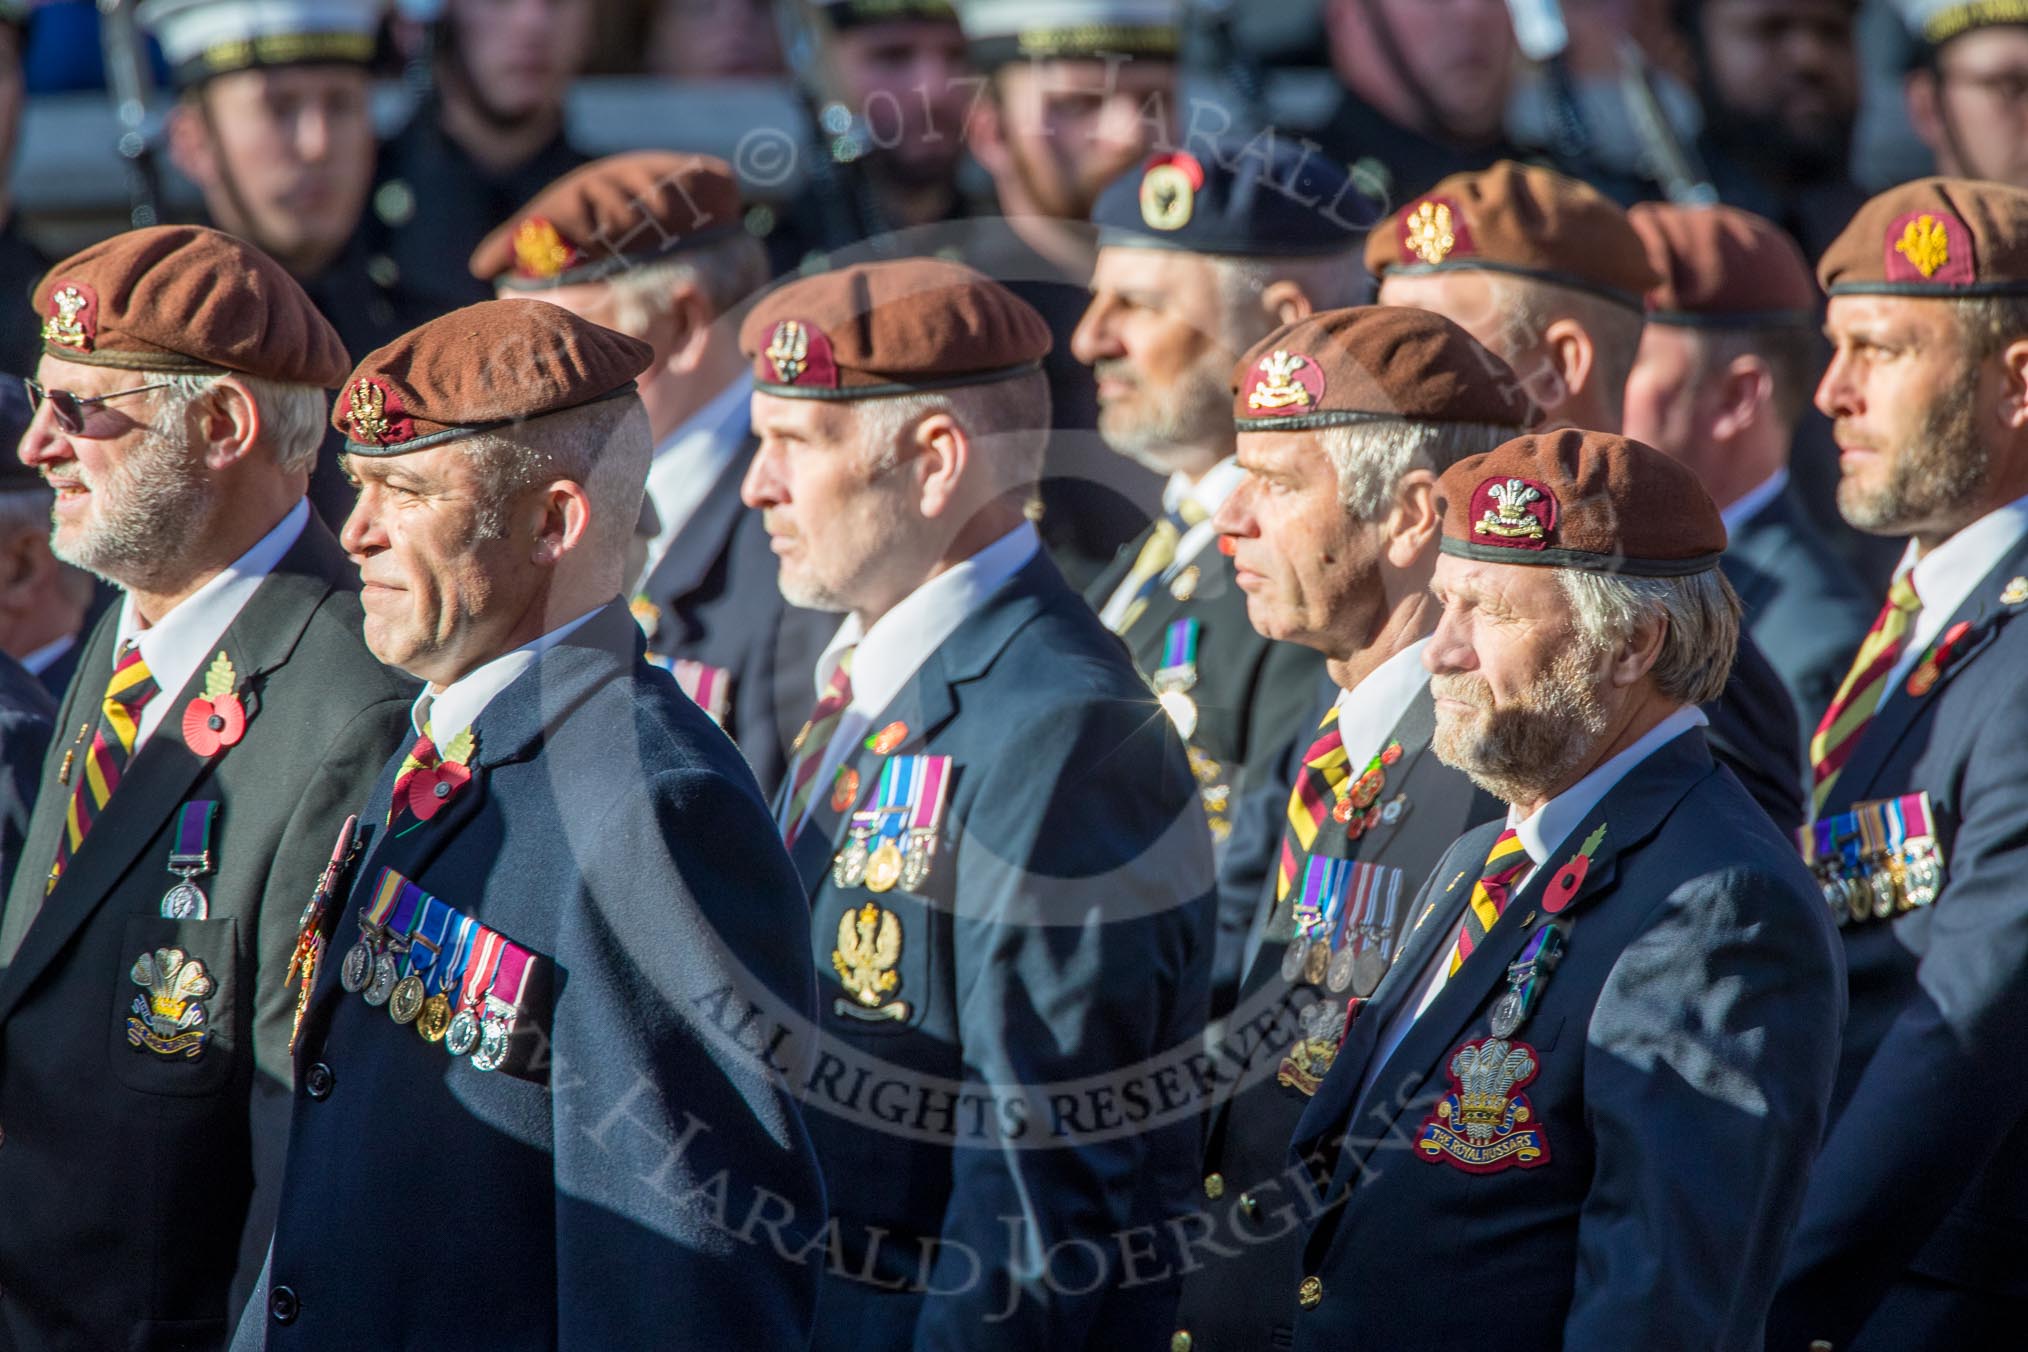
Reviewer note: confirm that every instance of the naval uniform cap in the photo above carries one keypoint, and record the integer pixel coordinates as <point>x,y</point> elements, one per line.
<point>205,38</point>
<point>1252,199</point>
<point>1934,23</point>
<point>1001,32</point>
<point>842,15</point>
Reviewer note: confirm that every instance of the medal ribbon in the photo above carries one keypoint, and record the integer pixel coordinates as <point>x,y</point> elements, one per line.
<point>386,889</point>
<point>892,799</point>
<point>1387,932</point>
<point>481,968</point>
<point>407,906</point>
<point>192,854</point>
<point>512,977</point>
<point>428,944</point>
<point>445,975</point>
<point>933,778</point>
<point>1179,655</point>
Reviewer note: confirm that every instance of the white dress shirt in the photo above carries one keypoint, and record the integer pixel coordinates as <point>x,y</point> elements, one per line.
<point>1209,492</point>
<point>691,460</point>
<point>1540,832</point>
<point>442,714</point>
<point>185,641</point>
<point>887,656</point>
<point>1369,711</point>
<point>1945,576</point>
<point>1749,503</point>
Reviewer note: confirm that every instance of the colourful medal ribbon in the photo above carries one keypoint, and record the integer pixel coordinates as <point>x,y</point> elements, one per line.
<point>1179,655</point>
<point>933,779</point>
<point>1309,912</point>
<point>895,777</point>
<point>407,908</point>
<point>510,980</point>
<point>1915,814</point>
<point>1366,903</point>
<point>428,945</point>
<point>192,854</point>
<point>1387,930</point>
<point>445,975</point>
<point>1349,883</point>
<point>1334,877</point>
<point>1525,976</point>
<point>386,890</point>
<point>481,968</point>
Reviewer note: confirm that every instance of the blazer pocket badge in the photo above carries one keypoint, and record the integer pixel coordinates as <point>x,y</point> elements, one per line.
<point>169,1016</point>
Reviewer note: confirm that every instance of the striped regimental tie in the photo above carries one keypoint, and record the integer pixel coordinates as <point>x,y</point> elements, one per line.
<point>1324,771</point>
<point>132,686</point>
<point>1505,862</point>
<point>813,741</point>
<point>1157,553</point>
<point>1853,706</point>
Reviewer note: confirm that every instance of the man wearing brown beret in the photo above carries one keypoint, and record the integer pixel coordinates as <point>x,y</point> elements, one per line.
<point>224,715</point>
<point>1726,362</point>
<point>1009,871</point>
<point>1548,273</point>
<point>651,244</point>
<point>1920,835</point>
<point>1595,1080</point>
<point>568,882</point>
<point>1344,421</point>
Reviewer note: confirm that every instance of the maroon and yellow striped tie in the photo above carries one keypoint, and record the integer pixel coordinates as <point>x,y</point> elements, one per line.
<point>1324,771</point>
<point>813,741</point>
<point>132,686</point>
<point>1505,862</point>
<point>1853,706</point>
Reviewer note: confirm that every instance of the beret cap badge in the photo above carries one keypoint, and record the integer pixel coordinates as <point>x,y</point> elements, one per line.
<point>1514,512</point>
<point>72,312</point>
<point>788,349</point>
<point>1430,232</point>
<point>539,250</point>
<point>367,411</point>
<point>1169,191</point>
<point>1923,246</point>
<point>1285,382</point>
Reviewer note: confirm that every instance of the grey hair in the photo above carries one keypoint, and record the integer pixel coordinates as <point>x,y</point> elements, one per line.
<point>727,271</point>
<point>292,416</point>
<point>1701,612</point>
<point>1371,457</point>
<point>1331,282</point>
<point>1009,418</point>
<point>603,447</point>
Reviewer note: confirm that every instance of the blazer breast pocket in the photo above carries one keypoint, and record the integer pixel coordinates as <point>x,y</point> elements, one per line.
<point>879,967</point>
<point>174,1020</point>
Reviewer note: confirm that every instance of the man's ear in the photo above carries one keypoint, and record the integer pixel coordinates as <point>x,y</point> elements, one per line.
<point>1923,99</point>
<point>229,422</point>
<point>941,452</point>
<point>2014,385</point>
<point>1414,521</point>
<point>986,132</point>
<point>1285,302</point>
<point>1572,352</point>
<point>563,513</point>
<point>1745,397</point>
<point>1637,655</point>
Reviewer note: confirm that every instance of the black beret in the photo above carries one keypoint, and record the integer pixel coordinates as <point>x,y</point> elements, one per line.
<point>1244,198</point>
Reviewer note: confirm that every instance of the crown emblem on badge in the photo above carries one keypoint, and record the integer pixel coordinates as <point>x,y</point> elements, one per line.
<point>169,1018</point>
<point>539,251</point>
<point>1278,387</point>
<point>1925,244</point>
<point>1487,1074</point>
<point>65,326</point>
<point>366,410</point>
<point>1509,518</point>
<point>789,350</point>
<point>1428,232</point>
<point>869,946</point>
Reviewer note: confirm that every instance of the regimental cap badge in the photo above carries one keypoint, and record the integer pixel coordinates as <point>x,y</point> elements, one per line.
<point>1285,382</point>
<point>169,1017</point>
<point>374,414</point>
<point>73,319</point>
<point>1929,246</point>
<point>540,251</point>
<point>801,355</point>
<point>868,951</point>
<point>1486,1124</point>
<point>1518,513</point>
<point>1169,187</point>
<point>1433,230</point>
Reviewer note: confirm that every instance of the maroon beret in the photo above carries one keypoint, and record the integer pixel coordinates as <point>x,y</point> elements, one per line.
<point>1576,499</point>
<point>621,212</point>
<point>1723,268</point>
<point>900,327</point>
<point>188,299</point>
<point>488,365</point>
<point>1374,362</point>
<point>1518,219</point>
<point>1940,237</point>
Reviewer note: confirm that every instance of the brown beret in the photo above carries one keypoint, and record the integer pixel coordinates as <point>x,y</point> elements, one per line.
<point>613,214</point>
<point>1933,237</point>
<point>1576,499</point>
<point>1723,268</point>
<point>1518,219</point>
<point>900,327</point>
<point>485,366</point>
<point>186,299</point>
<point>1370,363</point>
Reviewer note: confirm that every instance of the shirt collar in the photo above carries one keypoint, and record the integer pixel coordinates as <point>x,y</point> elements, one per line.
<point>176,645</point>
<point>1946,575</point>
<point>1368,712</point>
<point>1210,490</point>
<point>887,655</point>
<point>443,714</point>
<point>1750,503</point>
<point>1552,823</point>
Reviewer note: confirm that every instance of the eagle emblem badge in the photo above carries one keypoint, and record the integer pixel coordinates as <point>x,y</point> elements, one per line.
<point>869,948</point>
<point>540,251</point>
<point>1429,233</point>
<point>1929,247</point>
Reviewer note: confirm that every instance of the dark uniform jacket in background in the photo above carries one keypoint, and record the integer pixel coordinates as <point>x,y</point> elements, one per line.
<point>21,267</point>
<point>573,1198</point>
<point>127,1177</point>
<point>1682,1068</point>
<point>1059,946</point>
<point>1753,734</point>
<point>27,712</point>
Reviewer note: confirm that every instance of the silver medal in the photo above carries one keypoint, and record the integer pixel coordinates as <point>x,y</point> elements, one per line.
<point>1292,959</point>
<point>1507,1014</point>
<point>915,865</point>
<point>1338,976</point>
<point>1367,971</point>
<point>492,1046</point>
<point>185,901</point>
<point>357,968</point>
<point>381,988</point>
<point>463,1034</point>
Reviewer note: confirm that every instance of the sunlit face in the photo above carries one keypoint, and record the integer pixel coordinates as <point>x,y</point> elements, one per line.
<point>1665,395</point>
<point>521,55</point>
<point>1152,336</point>
<point>1072,127</point>
<point>1903,402</point>
<point>1311,573</point>
<point>1521,698</point>
<point>289,160</point>
<point>438,593</point>
<point>832,512</point>
<point>130,499</point>
<point>907,84</point>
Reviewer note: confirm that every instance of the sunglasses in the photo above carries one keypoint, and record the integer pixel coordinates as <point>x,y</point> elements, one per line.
<point>71,410</point>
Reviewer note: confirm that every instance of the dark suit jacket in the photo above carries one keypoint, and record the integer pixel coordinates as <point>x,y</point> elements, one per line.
<point>718,603</point>
<point>1923,1183</point>
<point>1058,948</point>
<point>27,713</point>
<point>1804,606</point>
<point>1238,1295</point>
<point>574,1198</point>
<point>1683,1071</point>
<point>1753,734</point>
<point>1250,690</point>
<point>128,1177</point>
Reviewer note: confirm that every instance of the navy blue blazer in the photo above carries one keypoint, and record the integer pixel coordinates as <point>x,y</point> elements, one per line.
<point>716,602</point>
<point>1909,1233</point>
<point>1804,605</point>
<point>596,1192</point>
<point>1001,1117</point>
<point>1682,1069</point>
<point>27,713</point>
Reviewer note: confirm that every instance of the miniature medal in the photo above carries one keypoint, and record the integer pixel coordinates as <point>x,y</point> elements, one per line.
<point>1367,970</point>
<point>405,1004</point>
<point>435,1019</point>
<point>1292,959</point>
<point>380,989</point>
<point>463,1033</point>
<point>883,869</point>
<point>1317,962</point>
<point>185,901</point>
<point>1338,976</point>
<point>357,968</point>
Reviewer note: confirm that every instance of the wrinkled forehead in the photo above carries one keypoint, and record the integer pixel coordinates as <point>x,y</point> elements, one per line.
<point>1521,588</point>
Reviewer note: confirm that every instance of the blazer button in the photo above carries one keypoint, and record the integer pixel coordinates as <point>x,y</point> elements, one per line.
<point>1311,1293</point>
<point>1180,1342</point>
<point>1214,1186</point>
<point>282,1305</point>
<point>319,1081</point>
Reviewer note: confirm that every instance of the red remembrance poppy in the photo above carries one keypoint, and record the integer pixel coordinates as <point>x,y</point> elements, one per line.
<point>211,725</point>
<point>1564,885</point>
<point>430,789</point>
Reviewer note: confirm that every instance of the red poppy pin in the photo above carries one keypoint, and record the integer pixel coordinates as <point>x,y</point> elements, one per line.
<point>1562,889</point>
<point>430,787</point>
<point>1924,678</point>
<point>887,739</point>
<point>216,719</point>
